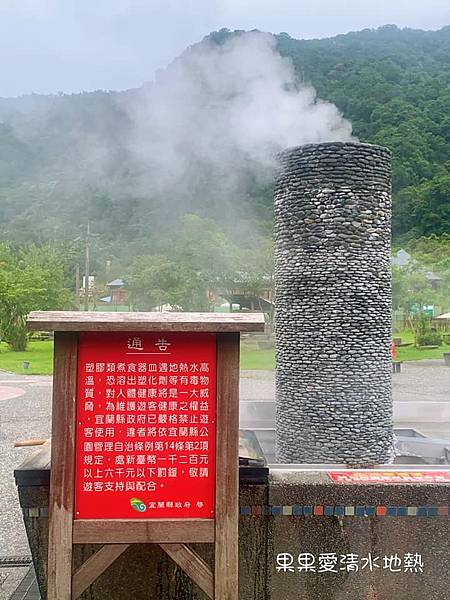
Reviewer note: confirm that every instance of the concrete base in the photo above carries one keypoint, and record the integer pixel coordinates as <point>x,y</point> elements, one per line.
<point>269,528</point>
<point>361,535</point>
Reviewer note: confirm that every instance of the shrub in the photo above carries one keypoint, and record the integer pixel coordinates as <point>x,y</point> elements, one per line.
<point>429,338</point>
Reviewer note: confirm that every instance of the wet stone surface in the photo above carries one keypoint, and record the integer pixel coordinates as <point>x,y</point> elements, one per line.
<point>10,581</point>
<point>333,304</point>
<point>22,417</point>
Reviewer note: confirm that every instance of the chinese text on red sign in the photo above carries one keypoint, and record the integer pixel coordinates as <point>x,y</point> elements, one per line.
<point>145,443</point>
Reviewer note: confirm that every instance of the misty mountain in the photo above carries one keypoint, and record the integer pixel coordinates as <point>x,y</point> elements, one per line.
<point>203,137</point>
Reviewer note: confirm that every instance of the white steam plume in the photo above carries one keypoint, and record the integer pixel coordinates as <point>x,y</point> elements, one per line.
<point>225,106</point>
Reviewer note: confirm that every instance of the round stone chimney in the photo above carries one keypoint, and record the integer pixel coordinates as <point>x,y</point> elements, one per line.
<point>333,304</point>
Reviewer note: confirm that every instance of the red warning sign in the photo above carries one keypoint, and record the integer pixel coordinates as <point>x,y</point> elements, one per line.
<point>145,435</point>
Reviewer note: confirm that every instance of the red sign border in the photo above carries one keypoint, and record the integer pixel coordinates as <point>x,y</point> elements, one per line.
<point>187,338</point>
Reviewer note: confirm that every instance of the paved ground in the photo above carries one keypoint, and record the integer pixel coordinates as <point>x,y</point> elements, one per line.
<point>25,413</point>
<point>419,381</point>
<point>422,380</point>
<point>18,583</point>
<point>257,385</point>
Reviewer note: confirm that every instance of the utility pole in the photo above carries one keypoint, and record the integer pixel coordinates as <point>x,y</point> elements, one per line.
<point>77,286</point>
<point>86,270</point>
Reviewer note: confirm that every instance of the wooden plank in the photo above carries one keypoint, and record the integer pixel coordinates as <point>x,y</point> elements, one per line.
<point>227,468</point>
<point>31,442</point>
<point>145,321</point>
<point>193,565</point>
<point>139,531</point>
<point>40,459</point>
<point>94,567</point>
<point>63,467</point>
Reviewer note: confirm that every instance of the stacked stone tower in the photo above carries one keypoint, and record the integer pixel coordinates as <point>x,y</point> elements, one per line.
<point>333,304</point>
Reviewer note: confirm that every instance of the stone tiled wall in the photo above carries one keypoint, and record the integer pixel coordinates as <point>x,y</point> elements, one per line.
<point>298,514</point>
<point>333,304</point>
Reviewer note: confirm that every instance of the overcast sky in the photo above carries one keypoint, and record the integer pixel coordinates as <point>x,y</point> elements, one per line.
<point>75,45</point>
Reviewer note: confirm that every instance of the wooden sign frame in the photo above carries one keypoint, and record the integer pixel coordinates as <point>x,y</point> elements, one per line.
<point>173,535</point>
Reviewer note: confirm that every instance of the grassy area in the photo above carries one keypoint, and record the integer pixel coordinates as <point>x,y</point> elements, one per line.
<point>409,353</point>
<point>40,357</point>
<point>265,359</point>
<point>38,354</point>
<point>257,359</point>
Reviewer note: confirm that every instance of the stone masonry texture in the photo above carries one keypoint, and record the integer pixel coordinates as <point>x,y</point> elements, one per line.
<point>333,304</point>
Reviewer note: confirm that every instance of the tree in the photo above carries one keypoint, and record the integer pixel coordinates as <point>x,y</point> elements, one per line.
<point>154,281</point>
<point>31,278</point>
<point>412,285</point>
<point>200,245</point>
<point>253,273</point>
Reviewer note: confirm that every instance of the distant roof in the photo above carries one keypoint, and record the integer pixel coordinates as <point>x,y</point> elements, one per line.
<point>116,282</point>
<point>432,276</point>
<point>444,317</point>
<point>402,258</point>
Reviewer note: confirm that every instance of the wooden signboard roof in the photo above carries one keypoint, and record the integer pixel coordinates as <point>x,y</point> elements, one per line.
<point>145,321</point>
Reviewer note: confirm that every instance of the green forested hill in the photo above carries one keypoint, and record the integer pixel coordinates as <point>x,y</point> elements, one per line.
<point>66,159</point>
<point>394,85</point>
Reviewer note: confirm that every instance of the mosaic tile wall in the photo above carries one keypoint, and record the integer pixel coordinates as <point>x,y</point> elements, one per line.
<point>297,510</point>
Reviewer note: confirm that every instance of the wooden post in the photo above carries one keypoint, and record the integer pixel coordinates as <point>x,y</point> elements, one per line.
<point>227,468</point>
<point>62,469</point>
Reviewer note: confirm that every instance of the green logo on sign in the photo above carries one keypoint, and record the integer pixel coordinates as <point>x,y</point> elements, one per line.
<point>138,505</point>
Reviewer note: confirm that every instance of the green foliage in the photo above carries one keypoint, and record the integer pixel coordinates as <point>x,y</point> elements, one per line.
<point>410,352</point>
<point>430,338</point>
<point>424,332</point>
<point>255,269</point>
<point>201,246</point>
<point>432,251</point>
<point>412,285</point>
<point>393,84</point>
<point>198,261</point>
<point>155,282</point>
<point>424,209</point>
<point>31,278</point>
